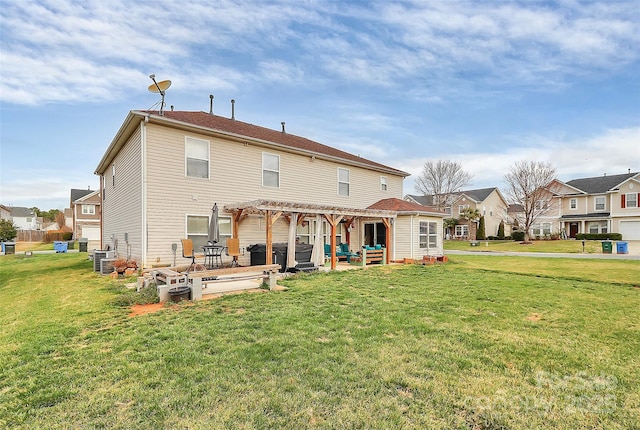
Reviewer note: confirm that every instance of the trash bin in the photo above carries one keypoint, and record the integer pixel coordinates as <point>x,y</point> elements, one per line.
<point>607,246</point>
<point>178,294</point>
<point>71,244</point>
<point>60,246</point>
<point>9,248</point>
<point>83,242</point>
<point>474,243</point>
<point>303,252</point>
<point>622,248</point>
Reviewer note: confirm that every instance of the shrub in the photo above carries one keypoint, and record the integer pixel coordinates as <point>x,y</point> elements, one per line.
<point>518,236</point>
<point>599,236</point>
<point>508,238</point>
<point>492,237</point>
<point>67,235</point>
<point>8,230</point>
<point>146,295</point>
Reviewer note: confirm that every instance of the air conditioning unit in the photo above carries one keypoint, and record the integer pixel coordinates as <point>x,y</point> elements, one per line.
<point>106,265</point>
<point>99,255</point>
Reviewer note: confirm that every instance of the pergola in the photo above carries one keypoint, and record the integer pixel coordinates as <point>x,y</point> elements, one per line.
<point>272,210</point>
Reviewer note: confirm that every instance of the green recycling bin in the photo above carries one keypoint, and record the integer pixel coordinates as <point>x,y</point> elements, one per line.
<point>82,244</point>
<point>607,246</point>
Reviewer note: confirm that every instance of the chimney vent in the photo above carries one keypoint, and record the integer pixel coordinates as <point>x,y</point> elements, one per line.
<point>171,108</point>
<point>283,130</point>
<point>628,170</point>
<point>210,104</point>
<point>233,109</point>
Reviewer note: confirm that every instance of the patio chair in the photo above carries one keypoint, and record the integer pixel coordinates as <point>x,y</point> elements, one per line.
<point>233,250</point>
<point>188,252</point>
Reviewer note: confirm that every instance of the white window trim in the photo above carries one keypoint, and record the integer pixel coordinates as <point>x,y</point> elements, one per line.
<point>208,159</point>
<point>427,236</point>
<point>595,203</point>
<point>573,201</point>
<point>340,182</point>
<point>383,184</point>
<point>270,170</point>
<point>626,199</point>
<point>91,212</point>
<point>462,208</point>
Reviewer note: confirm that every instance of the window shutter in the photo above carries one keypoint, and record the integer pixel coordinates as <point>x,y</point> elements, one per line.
<point>623,200</point>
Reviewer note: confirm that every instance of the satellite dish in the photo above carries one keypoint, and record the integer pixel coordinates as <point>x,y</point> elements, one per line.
<point>160,87</point>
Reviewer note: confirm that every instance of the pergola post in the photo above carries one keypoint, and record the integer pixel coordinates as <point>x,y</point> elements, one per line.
<point>333,221</point>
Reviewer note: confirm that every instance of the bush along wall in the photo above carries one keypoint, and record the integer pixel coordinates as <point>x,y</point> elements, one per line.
<point>518,236</point>
<point>599,236</point>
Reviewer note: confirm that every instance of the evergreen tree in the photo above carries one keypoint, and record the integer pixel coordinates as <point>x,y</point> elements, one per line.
<point>8,230</point>
<point>501,230</point>
<point>480,233</point>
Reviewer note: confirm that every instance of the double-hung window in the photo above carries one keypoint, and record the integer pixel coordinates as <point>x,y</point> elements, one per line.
<point>196,158</point>
<point>383,183</point>
<point>343,182</point>
<point>573,204</point>
<point>600,203</point>
<point>270,170</point>
<point>462,208</point>
<point>198,230</point>
<point>462,230</point>
<point>630,200</point>
<point>88,210</point>
<point>428,236</point>
<point>541,228</point>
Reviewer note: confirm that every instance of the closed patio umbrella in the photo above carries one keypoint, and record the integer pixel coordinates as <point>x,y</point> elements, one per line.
<point>214,227</point>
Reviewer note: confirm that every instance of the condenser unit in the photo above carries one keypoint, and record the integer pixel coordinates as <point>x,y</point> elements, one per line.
<point>99,255</point>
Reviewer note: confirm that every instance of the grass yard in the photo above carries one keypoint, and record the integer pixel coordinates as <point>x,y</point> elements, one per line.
<point>520,345</point>
<point>561,246</point>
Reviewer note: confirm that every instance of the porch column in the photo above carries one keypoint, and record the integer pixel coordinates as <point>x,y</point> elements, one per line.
<point>387,227</point>
<point>583,226</point>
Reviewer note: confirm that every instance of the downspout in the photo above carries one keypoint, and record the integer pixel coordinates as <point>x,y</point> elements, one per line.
<point>143,172</point>
<point>101,209</point>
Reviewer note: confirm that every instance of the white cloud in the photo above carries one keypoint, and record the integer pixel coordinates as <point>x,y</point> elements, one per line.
<point>613,152</point>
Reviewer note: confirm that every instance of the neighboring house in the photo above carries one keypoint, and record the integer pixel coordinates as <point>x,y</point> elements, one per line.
<point>24,218</point>
<point>162,174</point>
<point>488,201</point>
<point>85,213</point>
<point>5,212</point>
<point>601,204</point>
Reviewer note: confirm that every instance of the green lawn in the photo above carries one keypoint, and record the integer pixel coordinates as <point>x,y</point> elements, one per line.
<point>561,246</point>
<point>520,345</point>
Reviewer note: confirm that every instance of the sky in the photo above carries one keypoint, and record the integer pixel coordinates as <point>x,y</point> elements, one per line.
<point>483,83</point>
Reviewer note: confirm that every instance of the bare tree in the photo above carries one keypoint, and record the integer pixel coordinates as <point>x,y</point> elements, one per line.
<point>440,180</point>
<point>529,185</point>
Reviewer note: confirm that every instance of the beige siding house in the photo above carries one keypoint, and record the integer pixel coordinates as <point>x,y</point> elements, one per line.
<point>602,204</point>
<point>162,174</point>
<point>85,215</point>
<point>489,202</point>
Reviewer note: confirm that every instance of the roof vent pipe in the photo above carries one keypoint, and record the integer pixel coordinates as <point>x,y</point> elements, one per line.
<point>171,108</point>
<point>283,130</point>
<point>210,104</point>
<point>233,109</point>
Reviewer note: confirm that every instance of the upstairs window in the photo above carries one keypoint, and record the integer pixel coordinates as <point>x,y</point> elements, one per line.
<point>629,200</point>
<point>383,183</point>
<point>343,182</point>
<point>462,208</point>
<point>113,175</point>
<point>600,203</point>
<point>196,158</point>
<point>573,204</point>
<point>270,170</point>
<point>88,210</point>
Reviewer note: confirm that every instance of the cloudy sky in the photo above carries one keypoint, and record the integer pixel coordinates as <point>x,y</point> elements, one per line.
<point>484,83</point>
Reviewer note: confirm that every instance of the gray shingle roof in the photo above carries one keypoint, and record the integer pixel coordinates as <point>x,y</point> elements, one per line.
<point>19,211</point>
<point>477,195</point>
<point>599,184</point>
<point>78,194</point>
